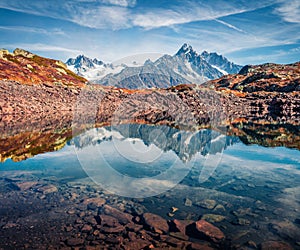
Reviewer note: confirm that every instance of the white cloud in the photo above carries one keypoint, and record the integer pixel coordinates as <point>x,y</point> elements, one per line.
<point>103,17</point>
<point>41,47</point>
<point>230,26</point>
<point>193,11</point>
<point>160,18</point>
<point>116,14</point>
<point>123,3</point>
<point>33,30</point>
<point>182,15</point>
<point>289,11</point>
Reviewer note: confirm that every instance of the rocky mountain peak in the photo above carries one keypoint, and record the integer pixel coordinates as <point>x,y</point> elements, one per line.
<point>83,62</point>
<point>98,62</point>
<point>187,51</point>
<point>221,62</point>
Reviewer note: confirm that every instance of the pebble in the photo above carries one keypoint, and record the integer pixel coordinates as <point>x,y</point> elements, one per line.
<point>86,229</point>
<point>219,208</point>
<point>188,202</point>
<point>97,201</point>
<point>208,204</point>
<point>74,242</point>
<point>174,209</point>
<point>275,245</point>
<point>71,211</point>
<point>91,220</point>
<point>9,225</point>
<point>26,185</point>
<point>241,222</point>
<point>68,228</point>
<point>213,218</point>
<point>252,244</point>
<point>47,189</point>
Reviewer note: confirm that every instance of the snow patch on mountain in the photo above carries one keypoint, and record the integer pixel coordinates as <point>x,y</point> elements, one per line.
<point>221,70</point>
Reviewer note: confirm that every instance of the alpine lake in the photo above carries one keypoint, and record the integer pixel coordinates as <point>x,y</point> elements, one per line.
<point>80,193</point>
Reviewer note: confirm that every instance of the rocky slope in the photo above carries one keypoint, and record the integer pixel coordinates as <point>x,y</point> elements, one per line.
<point>186,66</point>
<point>266,77</point>
<point>27,68</point>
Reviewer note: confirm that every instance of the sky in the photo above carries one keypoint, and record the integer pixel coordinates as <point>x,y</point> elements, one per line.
<point>246,32</point>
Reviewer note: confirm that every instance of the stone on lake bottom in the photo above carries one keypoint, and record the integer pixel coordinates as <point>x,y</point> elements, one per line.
<point>97,201</point>
<point>74,242</point>
<point>275,245</point>
<point>213,218</point>
<point>47,189</point>
<point>188,202</point>
<point>113,230</point>
<point>205,231</point>
<point>86,229</point>
<point>137,244</point>
<point>156,223</point>
<point>198,246</point>
<point>26,185</point>
<point>123,218</point>
<point>241,222</point>
<point>180,225</point>
<point>179,235</point>
<point>109,221</point>
<point>208,204</point>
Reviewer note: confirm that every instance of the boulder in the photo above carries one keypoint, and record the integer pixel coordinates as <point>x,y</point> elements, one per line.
<point>123,218</point>
<point>155,223</point>
<point>205,231</point>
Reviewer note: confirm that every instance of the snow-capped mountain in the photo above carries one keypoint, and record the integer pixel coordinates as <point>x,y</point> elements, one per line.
<point>186,66</point>
<point>221,63</point>
<point>92,69</point>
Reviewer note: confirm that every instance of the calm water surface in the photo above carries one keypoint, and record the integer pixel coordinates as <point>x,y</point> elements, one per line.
<point>250,192</point>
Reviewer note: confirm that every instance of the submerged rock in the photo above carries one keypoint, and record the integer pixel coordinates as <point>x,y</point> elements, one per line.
<point>208,204</point>
<point>205,231</point>
<point>180,225</point>
<point>47,189</point>
<point>188,202</point>
<point>275,245</point>
<point>219,208</point>
<point>26,185</point>
<point>155,223</point>
<point>97,201</point>
<point>86,229</point>
<point>241,222</point>
<point>74,242</point>
<point>123,218</point>
<point>212,218</point>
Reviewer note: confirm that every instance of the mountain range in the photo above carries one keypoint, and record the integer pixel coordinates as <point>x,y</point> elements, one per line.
<point>186,66</point>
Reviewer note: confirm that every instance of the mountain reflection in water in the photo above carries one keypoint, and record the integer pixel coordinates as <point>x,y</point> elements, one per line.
<point>244,179</point>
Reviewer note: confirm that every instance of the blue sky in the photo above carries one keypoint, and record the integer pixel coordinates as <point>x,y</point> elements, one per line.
<point>247,32</point>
